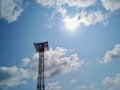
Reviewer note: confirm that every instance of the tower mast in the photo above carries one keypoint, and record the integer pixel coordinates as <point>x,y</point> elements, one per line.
<point>41,48</point>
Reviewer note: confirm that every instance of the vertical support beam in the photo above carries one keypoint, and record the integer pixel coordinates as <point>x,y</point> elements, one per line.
<point>41,48</point>
<point>40,79</point>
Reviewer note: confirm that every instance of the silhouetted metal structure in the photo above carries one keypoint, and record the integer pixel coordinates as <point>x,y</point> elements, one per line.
<point>41,48</point>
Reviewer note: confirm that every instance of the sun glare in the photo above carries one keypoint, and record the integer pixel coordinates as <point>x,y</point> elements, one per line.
<point>71,23</point>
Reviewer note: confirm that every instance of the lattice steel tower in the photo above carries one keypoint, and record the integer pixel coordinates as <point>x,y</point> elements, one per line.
<point>41,48</point>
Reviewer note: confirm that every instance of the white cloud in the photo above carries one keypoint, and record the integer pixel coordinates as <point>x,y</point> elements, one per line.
<point>92,17</point>
<point>73,81</point>
<point>59,3</point>
<point>59,7</point>
<point>53,86</point>
<point>111,5</point>
<point>108,83</point>
<point>113,83</point>
<point>63,11</point>
<point>56,62</point>
<point>12,76</point>
<point>10,10</point>
<point>81,3</point>
<point>25,61</point>
<point>49,3</point>
<point>85,17</point>
<point>111,54</point>
<point>88,18</point>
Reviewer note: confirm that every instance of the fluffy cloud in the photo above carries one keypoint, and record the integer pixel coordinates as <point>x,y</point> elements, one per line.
<point>111,5</point>
<point>25,61</point>
<point>56,63</point>
<point>112,54</point>
<point>85,17</point>
<point>113,83</point>
<point>10,10</point>
<point>80,3</point>
<point>53,86</point>
<point>59,3</point>
<point>92,17</point>
<point>108,83</point>
<point>63,11</point>
<point>12,76</point>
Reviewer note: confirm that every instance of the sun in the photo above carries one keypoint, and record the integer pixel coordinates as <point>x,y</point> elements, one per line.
<point>71,23</point>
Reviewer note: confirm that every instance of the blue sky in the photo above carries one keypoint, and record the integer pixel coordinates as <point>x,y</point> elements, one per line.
<point>84,41</point>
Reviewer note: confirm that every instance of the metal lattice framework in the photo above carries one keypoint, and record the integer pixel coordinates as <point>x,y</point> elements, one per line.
<point>41,48</point>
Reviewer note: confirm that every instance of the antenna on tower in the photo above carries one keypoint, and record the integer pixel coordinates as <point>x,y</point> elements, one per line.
<point>41,48</point>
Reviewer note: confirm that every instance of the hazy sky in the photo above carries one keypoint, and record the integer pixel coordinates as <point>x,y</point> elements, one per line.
<point>83,37</point>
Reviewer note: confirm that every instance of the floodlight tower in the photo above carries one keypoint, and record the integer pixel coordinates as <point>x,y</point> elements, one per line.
<point>41,48</point>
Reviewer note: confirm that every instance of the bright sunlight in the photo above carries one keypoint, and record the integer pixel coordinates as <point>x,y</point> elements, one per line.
<point>71,23</point>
